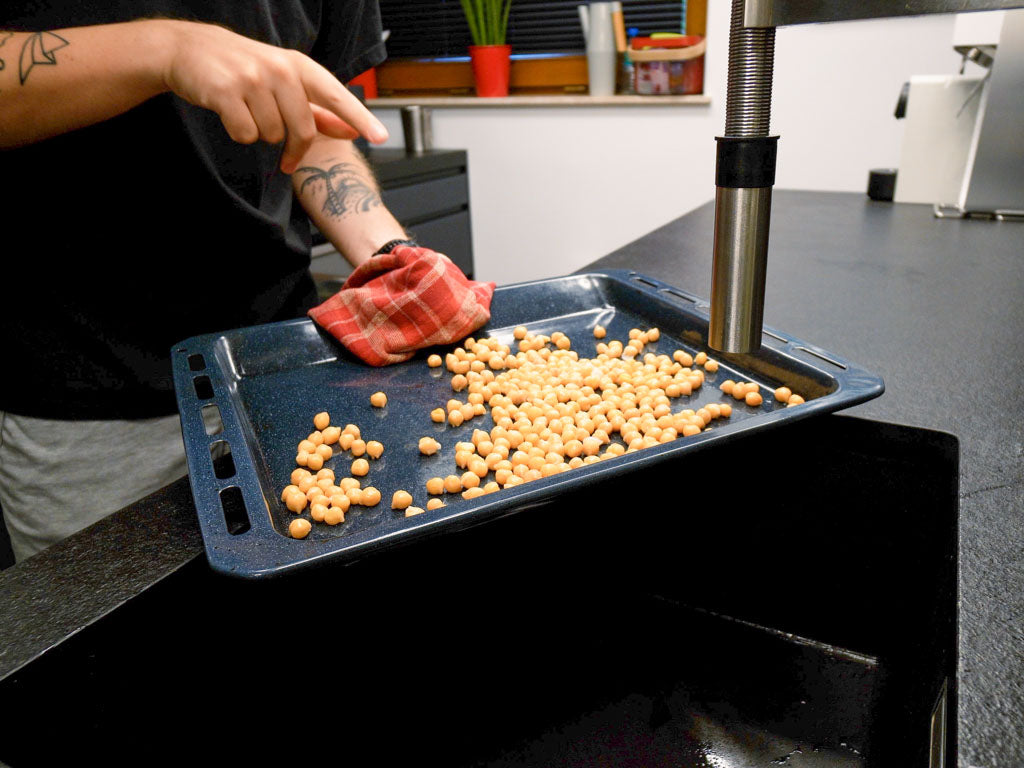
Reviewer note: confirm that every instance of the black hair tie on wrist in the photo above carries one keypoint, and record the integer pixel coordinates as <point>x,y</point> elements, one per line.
<point>390,245</point>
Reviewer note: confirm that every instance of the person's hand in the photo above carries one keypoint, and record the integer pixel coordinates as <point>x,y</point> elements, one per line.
<point>262,92</point>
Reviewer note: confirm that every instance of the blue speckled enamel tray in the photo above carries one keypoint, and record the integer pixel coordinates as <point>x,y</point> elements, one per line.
<point>268,381</point>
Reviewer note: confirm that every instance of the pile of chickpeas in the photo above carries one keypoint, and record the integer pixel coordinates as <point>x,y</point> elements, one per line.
<point>552,411</point>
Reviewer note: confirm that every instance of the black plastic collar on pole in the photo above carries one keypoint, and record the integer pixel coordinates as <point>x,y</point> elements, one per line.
<point>743,163</point>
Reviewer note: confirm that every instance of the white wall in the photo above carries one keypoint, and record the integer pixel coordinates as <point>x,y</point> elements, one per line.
<point>552,189</point>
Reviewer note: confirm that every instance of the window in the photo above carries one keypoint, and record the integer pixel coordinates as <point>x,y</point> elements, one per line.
<point>429,39</point>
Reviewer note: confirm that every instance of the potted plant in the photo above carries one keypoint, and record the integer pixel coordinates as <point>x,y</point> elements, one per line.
<point>488,23</point>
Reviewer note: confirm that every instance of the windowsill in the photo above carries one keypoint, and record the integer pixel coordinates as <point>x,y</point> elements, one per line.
<point>539,100</point>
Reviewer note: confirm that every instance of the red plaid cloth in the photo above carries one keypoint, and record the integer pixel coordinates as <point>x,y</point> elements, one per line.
<point>402,301</point>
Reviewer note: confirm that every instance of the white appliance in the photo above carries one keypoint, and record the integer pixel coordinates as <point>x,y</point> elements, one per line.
<point>962,148</point>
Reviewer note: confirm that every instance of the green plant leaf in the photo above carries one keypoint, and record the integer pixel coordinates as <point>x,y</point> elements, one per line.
<point>487,19</point>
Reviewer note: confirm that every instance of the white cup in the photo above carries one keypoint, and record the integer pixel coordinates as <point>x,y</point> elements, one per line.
<point>602,57</point>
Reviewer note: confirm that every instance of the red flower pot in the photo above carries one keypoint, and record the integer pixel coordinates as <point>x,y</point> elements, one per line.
<point>491,65</point>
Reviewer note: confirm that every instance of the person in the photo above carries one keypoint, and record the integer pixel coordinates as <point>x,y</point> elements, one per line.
<point>161,161</point>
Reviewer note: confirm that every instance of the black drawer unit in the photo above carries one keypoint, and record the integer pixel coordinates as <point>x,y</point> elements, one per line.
<point>428,193</point>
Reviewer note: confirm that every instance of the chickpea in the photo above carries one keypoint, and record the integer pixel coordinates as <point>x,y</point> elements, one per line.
<point>331,435</point>
<point>401,500</point>
<point>316,438</point>
<point>519,332</point>
<point>306,483</point>
<point>314,461</point>
<point>690,430</point>
<point>470,480</point>
<point>478,467</point>
<point>491,487</point>
<point>711,366</point>
<point>352,429</point>
<point>345,441</point>
<point>452,484</point>
<point>321,420</point>
<point>296,502</point>
<point>410,511</point>
<point>333,516</point>
<point>371,496</point>
<point>298,473</point>
<point>347,483</point>
<point>325,473</point>
<point>299,528</point>
<point>307,446</point>
<point>358,447</point>
<point>288,491</point>
<point>455,418</point>
<point>434,504</point>
<point>324,483</point>
<point>317,511</point>
<point>341,501</point>
<point>795,400</point>
<point>599,332</point>
<point>437,415</point>
<point>753,399</point>
<point>360,467</point>
<point>472,493</point>
<point>378,399</point>
<point>782,394</point>
<point>725,409</point>
<point>302,458</point>
<point>435,486</point>
<point>434,361</point>
<point>653,334</point>
<point>683,358</point>
<point>429,446</point>
<point>324,451</point>
<point>355,495</point>
<point>374,449</point>
<point>459,382</point>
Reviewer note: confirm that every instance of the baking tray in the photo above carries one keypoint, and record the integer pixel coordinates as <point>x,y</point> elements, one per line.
<point>266,382</point>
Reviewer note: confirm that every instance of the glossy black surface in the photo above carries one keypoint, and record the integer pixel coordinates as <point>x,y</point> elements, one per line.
<point>604,642</point>
<point>935,307</point>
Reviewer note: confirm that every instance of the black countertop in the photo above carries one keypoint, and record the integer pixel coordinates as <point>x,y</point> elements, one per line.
<point>936,306</point>
<point>931,305</point>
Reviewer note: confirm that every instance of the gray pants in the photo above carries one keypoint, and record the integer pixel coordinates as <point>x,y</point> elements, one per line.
<point>57,477</point>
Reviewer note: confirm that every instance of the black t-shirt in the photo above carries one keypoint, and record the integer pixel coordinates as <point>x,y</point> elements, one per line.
<point>121,239</point>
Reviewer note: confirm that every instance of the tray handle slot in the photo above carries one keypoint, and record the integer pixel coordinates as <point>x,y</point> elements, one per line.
<point>196,362</point>
<point>212,422</point>
<point>203,387</point>
<point>236,516</point>
<point>677,294</point>
<point>822,356</point>
<point>644,281</point>
<point>220,457</point>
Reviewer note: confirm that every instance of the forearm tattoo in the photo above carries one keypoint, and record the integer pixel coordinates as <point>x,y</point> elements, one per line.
<point>348,189</point>
<point>4,37</point>
<point>39,49</point>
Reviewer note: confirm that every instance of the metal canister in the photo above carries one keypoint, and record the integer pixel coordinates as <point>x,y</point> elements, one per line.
<point>416,129</point>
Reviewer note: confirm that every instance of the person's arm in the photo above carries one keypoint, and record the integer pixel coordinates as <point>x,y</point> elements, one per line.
<point>52,82</point>
<point>338,191</point>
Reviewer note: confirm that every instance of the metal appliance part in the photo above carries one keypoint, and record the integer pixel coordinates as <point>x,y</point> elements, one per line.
<point>742,219</point>
<point>745,174</point>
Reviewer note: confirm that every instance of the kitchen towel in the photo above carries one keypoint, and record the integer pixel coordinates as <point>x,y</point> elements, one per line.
<point>399,302</point>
